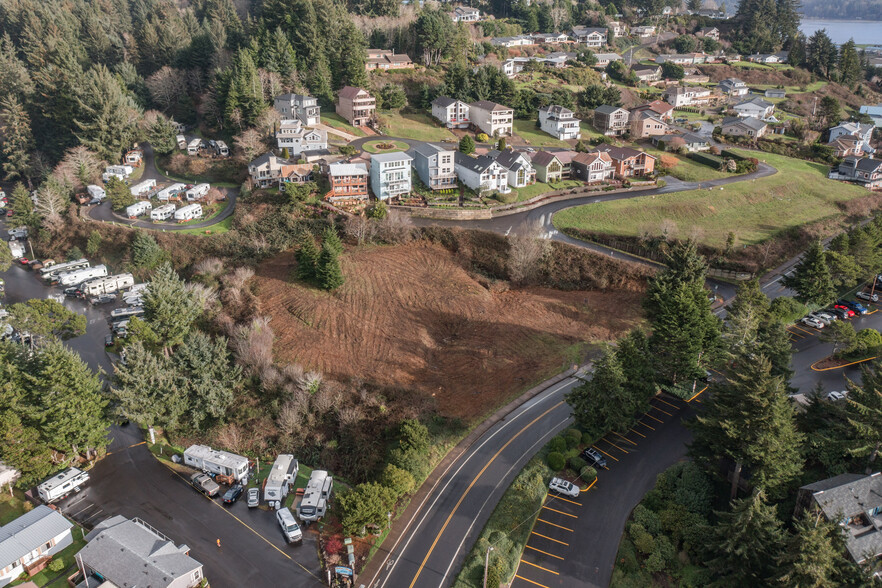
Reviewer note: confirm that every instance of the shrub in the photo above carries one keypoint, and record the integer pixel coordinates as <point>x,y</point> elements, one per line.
<point>655,563</point>
<point>868,340</point>
<point>661,183</point>
<point>333,545</point>
<point>573,437</point>
<point>508,198</point>
<point>56,565</point>
<point>399,480</point>
<point>648,519</point>
<point>409,460</point>
<point>786,309</point>
<point>555,461</point>
<point>558,444</point>
<point>577,463</point>
<point>482,138</point>
<point>366,504</point>
<point>588,474</point>
<point>643,541</point>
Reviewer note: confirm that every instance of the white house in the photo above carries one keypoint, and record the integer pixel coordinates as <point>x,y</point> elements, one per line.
<point>515,65</point>
<point>481,174</point>
<point>733,87</point>
<point>465,14</point>
<point>266,170</point>
<point>604,59</point>
<point>643,32</point>
<point>755,107</point>
<point>618,28</point>
<point>491,118</point>
<point>296,138</point>
<point>863,131</point>
<point>454,114</point>
<point>559,122</point>
<point>299,107</point>
<point>30,540</point>
<point>874,112</point>
<point>520,169</point>
<point>517,41</point>
<point>390,175</point>
<point>593,167</point>
<point>593,37</point>
<point>550,38</point>
<point>686,95</point>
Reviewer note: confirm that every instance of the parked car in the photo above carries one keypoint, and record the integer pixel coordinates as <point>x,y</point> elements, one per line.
<point>563,487</point>
<point>824,317</point>
<point>24,261</point>
<point>9,213</point>
<point>35,264</point>
<point>108,340</point>
<point>103,299</point>
<point>812,322</point>
<point>73,292</point>
<point>290,528</point>
<point>233,494</point>
<point>253,497</point>
<point>18,233</point>
<point>593,457</point>
<point>838,312</point>
<point>857,307</point>
<point>867,296</point>
<point>836,396</point>
<point>205,484</point>
<point>848,311</point>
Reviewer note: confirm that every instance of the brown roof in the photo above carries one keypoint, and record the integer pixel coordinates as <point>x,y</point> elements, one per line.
<point>656,106</point>
<point>543,158</point>
<point>565,157</point>
<point>349,92</point>
<point>621,153</point>
<point>589,158</point>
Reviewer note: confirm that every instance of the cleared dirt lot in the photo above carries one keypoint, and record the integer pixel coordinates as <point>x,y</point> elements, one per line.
<point>411,316</point>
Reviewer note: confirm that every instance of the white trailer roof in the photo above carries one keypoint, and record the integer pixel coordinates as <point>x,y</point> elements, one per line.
<point>217,456</point>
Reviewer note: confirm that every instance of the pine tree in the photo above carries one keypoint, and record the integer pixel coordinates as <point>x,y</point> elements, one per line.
<point>330,274</point>
<point>146,252</point>
<point>307,257</point>
<point>22,448</point>
<point>811,279</point>
<point>864,414</point>
<point>820,53</point>
<point>787,19</point>
<point>244,100</point>
<point>119,194</point>
<point>850,70</point>
<point>18,142</point>
<point>207,375</point>
<point>467,145</point>
<point>23,207</point>
<point>331,239</point>
<point>352,54</point>
<point>107,115</point>
<point>94,243</point>
<point>278,54</point>
<point>169,308</point>
<point>812,554</point>
<point>58,81</point>
<point>596,403</point>
<point>147,389</point>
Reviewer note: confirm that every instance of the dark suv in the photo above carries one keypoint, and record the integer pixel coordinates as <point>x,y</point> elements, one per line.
<point>593,457</point>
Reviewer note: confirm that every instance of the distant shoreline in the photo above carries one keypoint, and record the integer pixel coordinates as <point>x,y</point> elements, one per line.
<point>807,19</point>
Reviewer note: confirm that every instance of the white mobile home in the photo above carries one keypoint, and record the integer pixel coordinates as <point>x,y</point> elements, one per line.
<point>206,459</point>
<point>17,249</point>
<point>138,208</point>
<point>314,503</point>
<point>96,192</point>
<point>83,275</point>
<point>164,212</point>
<point>182,141</point>
<point>120,172</point>
<point>222,149</point>
<point>188,213</point>
<point>170,191</point>
<point>108,285</point>
<point>62,484</point>
<point>29,541</point>
<point>142,189</point>
<point>281,477</point>
<point>193,146</point>
<point>47,273</point>
<point>127,312</point>
<point>198,192</point>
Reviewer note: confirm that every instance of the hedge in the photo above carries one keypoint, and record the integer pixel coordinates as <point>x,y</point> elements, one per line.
<point>728,153</point>
<point>708,160</point>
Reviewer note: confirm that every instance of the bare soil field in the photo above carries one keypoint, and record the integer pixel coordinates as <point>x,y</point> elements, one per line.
<point>411,316</point>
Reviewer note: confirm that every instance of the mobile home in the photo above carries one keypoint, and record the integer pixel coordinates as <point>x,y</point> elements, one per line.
<point>138,208</point>
<point>96,192</point>
<point>164,212</point>
<point>80,276</point>
<point>170,191</point>
<point>182,141</point>
<point>47,273</point>
<point>127,312</point>
<point>189,212</point>
<point>108,285</point>
<point>134,157</point>
<point>281,477</point>
<point>62,484</point>
<point>222,149</point>
<point>120,172</point>
<point>314,503</point>
<point>193,147</point>
<point>17,249</point>
<point>197,192</point>
<point>206,459</point>
<point>142,189</point>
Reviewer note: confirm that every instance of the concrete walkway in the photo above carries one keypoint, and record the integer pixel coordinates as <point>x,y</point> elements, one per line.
<point>332,131</point>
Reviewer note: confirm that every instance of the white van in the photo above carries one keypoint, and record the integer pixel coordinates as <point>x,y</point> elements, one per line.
<point>290,528</point>
<point>164,212</point>
<point>189,212</point>
<point>182,141</point>
<point>138,208</point>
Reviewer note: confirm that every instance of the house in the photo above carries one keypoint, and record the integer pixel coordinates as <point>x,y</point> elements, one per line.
<point>559,122</point>
<point>515,65</point>
<point>744,127</point>
<point>550,38</point>
<point>629,162</point>
<point>384,59</point>
<point>863,170</point>
<point>596,166</point>
<point>711,13</point>
<point>611,120</point>
<point>733,87</point>
<point>390,175</point>
<point>299,107</point>
<point>129,552</point>
<point>647,73</point>
<point>520,168</point>
<point>617,28</point>
<point>604,59</point>
<point>133,157</point>
<point>29,542</point>
<point>874,112</point>
<point>845,145</point>
<point>356,105</point>
<point>864,131</point>
<point>593,37</point>
<point>465,14</point>
<point>770,58</point>
<point>453,114</point>
<point>709,33</point>
<point>854,501</point>
<point>434,165</point>
<point>643,32</point>
<point>775,93</point>
<point>349,183</point>
<point>482,174</point>
<point>690,141</point>
<point>266,170</point>
<point>658,108</point>
<point>681,58</point>
<point>491,118</point>
<point>548,167</point>
<point>295,173</point>
<point>517,41</point>
<point>296,138</point>
<point>688,95</point>
<point>756,107</point>
<point>694,76</point>
<point>646,123</point>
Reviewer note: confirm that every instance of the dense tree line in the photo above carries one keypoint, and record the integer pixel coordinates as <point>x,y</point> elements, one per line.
<point>765,26</point>
<point>820,55</point>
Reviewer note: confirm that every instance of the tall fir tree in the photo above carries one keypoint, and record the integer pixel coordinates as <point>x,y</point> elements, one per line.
<point>864,414</point>
<point>17,139</point>
<point>169,307</point>
<point>850,71</point>
<point>307,257</point>
<point>813,554</point>
<point>330,274</point>
<point>107,115</point>
<point>596,403</point>
<point>331,239</point>
<point>811,280</point>
<point>820,53</point>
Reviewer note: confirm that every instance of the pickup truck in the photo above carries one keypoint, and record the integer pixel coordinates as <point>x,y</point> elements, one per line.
<point>205,484</point>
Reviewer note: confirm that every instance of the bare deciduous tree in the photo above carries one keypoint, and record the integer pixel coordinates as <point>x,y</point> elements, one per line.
<point>250,143</point>
<point>253,344</point>
<point>210,267</point>
<point>395,228</point>
<point>525,254</point>
<point>230,436</point>
<point>293,416</point>
<point>360,229</point>
<point>203,296</point>
<point>52,202</point>
<point>268,121</point>
<point>272,84</point>
<point>166,86</point>
<point>79,167</point>
<point>238,278</point>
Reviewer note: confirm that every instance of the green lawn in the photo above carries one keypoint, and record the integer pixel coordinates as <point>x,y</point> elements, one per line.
<point>687,169</point>
<point>755,210</point>
<point>11,507</point>
<point>813,87</point>
<point>374,146</point>
<point>49,579</point>
<point>538,188</point>
<point>532,135</point>
<point>221,227</point>
<point>414,126</point>
<point>332,119</point>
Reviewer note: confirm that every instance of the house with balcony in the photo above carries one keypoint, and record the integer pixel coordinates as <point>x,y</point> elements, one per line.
<point>300,107</point>
<point>862,131</point>
<point>688,96</point>
<point>559,122</point>
<point>658,108</point>
<point>629,162</point>
<point>266,170</point>
<point>349,183</point>
<point>643,32</point>
<point>709,33</point>
<point>515,65</point>
<point>592,37</point>
<point>604,59</point>
<point>390,175</point>
<point>845,145</point>
<point>465,14</point>
<point>434,165</point>
<point>611,120</point>
<point>356,105</point>
<point>617,28</point>
<point>647,73</point>
<point>520,169</point>
<point>453,114</point>
<point>646,123</point>
<point>550,38</point>
<point>489,117</point>
<point>756,107</point>
<point>296,173</point>
<point>383,59</point>
<point>548,167</point>
<point>296,138</point>
<point>516,41</point>
<point>596,166</point>
<point>862,170</point>
<point>733,87</point>
<point>744,127</point>
<point>482,174</point>
<point>28,542</point>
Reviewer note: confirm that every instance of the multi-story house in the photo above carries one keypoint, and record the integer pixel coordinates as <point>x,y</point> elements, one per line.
<point>863,170</point>
<point>709,33</point>
<point>595,166</point>
<point>845,145</point>
<point>515,65</point>
<point>520,169</point>
<point>356,106</point>
<point>465,14</point>
<point>874,112</point>
<point>28,542</point>
<point>454,114</point>
<point>646,123</point>
<point>604,59</point>
<point>744,127</point>
<point>548,167</point>
<point>629,162</point>
<point>266,170</point>
<point>434,165</point>
<point>733,87</point>
<point>383,59</point>
<point>593,37</point>
<point>482,174</point>
<point>559,122</point>
<point>299,107</point>
<point>611,120</point>
<point>491,118</point>
<point>390,175</point>
<point>682,58</point>
<point>296,138</point>
<point>349,183</point>
<point>756,107</point>
<point>863,131</point>
<point>688,95</point>
<point>647,73</point>
<point>643,32</point>
<point>296,173</point>
<point>662,110</point>
<point>618,28</point>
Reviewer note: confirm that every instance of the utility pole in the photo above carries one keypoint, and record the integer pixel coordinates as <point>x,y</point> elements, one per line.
<point>486,564</point>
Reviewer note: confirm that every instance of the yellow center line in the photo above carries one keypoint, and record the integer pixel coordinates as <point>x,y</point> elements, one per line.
<point>638,432</point>
<point>604,439</point>
<point>604,452</point>
<point>697,394</point>
<point>566,514</point>
<point>540,567</point>
<point>668,403</point>
<point>464,494</point>
<point>653,418</point>
<point>555,525</point>
<point>549,538</point>
<point>625,438</point>
<point>564,499</point>
<point>645,425</point>
<point>531,581</point>
<point>661,411</point>
<point>544,552</point>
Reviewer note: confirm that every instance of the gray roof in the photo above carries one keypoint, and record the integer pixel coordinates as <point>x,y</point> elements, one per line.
<point>558,112</point>
<point>750,122</point>
<point>488,105</point>
<point>128,553</point>
<point>443,101</point>
<point>755,101</point>
<point>29,531</point>
<point>867,164</point>
<point>475,164</point>
<point>386,157</point>
<point>607,109</point>
<point>425,149</point>
<point>348,169</point>
<point>507,158</point>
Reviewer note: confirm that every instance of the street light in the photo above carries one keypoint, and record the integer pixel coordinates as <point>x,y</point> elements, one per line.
<point>486,563</point>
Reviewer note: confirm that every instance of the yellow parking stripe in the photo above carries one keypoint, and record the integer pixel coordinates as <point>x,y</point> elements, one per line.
<point>645,425</point>
<point>804,330</point>
<point>531,581</point>
<point>566,514</point>
<point>549,538</point>
<point>540,567</point>
<point>614,445</point>
<point>566,500</point>
<point>554,525</point>
<point>662,411</point>
<point>604,452</point>
<point>625,438</point>
<point>638,432</point>
<point>653,418</point>
<point>544,552</point>
<point>668,403</point>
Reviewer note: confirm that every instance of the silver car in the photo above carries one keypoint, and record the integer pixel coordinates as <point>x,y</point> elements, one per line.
<point>812,322</point>
<point>867,296</point>
<point>824,317</point>
<point>563,487</point>
<point>253,497</point>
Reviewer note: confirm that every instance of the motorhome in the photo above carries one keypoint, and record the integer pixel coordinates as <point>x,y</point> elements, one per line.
<point>182,141</point>
<point>62,484</point>
<point>80,276</point>
<point>142,189</point>
<point>222,149</point>
<point>96,192</point>
<point>164,212</point>
<point>108,285</point>
<point>127,312</point>
<point>187,213</point>
<point>138,209</point>
<point>17,249</point>
<point>222,463</point>
<point>49,272</point>
<point>281,476</point>
<point>120,172</point>
<point>194,146</point>
<point>197,192</point>
<point>314,503</point>
<point>171,191</point>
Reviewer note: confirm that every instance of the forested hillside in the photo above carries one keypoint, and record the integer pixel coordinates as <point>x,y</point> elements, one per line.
<point>846,9</point>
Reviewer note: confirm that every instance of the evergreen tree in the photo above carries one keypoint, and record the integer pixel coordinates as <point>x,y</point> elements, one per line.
<point>797,55</point>
<point>467,145</point>
<point>22,447</point>
<point>330,274</point>
<point>758,26</point>
<point>208,376</point>
<point>58,80</point>
<point>161,134</point>
<point>106,116</point>
<point>46,318</point>
<point>14,73</point>
<point>596,403</point>
<point>635,355</point>
<point>17,140</point>
<point>146,252</point>
<point>812,554</point>
<point>23,207</point>
<point>392,96</point>
<point>351,49</point>
<point>829,110</point>
<point>119,194</point>
<point>169,307</point>
<point>850,70</point>
<point>307,257</point>
<point>864,414</point>
<point>148,389</point>
<point>811,279</point>
<point>820,53</point>
<point>244,91</point>
<point>94,243</point>
<point>331,239</point>
<point>278,54</point>
<point>787,19</point>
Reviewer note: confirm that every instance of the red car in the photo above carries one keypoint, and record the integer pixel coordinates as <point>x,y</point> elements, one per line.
<point>24,261</point>
<point>845,308</point>
<point>9,212</point>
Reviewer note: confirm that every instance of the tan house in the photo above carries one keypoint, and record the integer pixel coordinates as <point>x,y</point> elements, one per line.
<point>657,108</point>
<point>383,59</point>
<point>646,123</point>
<point>356,105</point>
<point>744,127</point>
